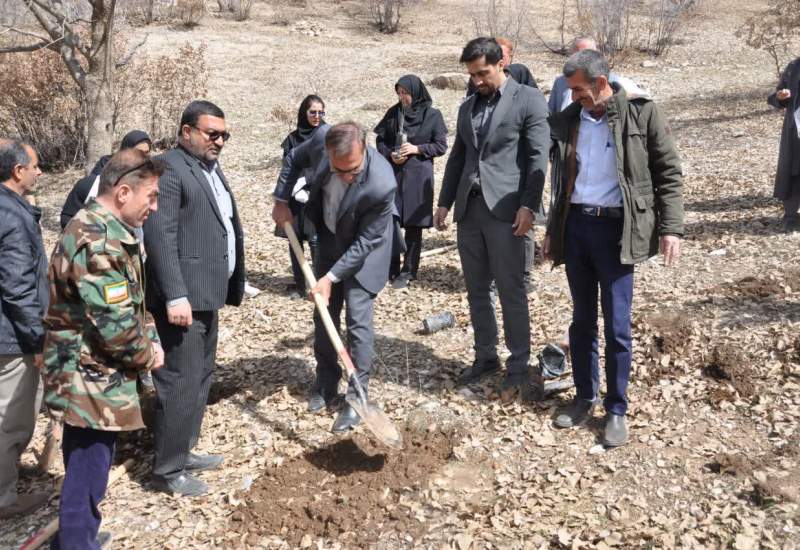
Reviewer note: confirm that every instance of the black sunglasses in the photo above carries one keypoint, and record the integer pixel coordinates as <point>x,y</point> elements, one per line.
<point>213,135</point>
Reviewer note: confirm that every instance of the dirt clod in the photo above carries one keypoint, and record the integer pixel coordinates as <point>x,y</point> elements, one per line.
<point>732,369</point>
<point>348,490</point>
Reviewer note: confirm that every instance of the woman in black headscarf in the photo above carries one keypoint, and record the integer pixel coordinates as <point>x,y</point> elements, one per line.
<point>310,116</point>
<point>410,135</point>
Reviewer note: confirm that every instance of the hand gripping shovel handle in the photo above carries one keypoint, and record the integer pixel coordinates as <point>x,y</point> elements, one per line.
<point>322,307</point>
<point>374,418</point>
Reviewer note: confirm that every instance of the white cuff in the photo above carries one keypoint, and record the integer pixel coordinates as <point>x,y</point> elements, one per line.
<point>332,277</point>
<point>178,301</point>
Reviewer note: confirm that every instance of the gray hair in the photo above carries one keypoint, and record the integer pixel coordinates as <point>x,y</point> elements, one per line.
<point>578,39</point>
<point>341,137</point>
<point>12,154</point>
<point>590,62</point>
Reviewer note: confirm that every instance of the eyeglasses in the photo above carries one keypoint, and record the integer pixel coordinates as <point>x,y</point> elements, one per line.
<point>214,135</point>
<point>316,113</point>
<point>352,172</point>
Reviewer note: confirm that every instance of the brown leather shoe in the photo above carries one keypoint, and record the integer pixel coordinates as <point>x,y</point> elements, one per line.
<point>26,503</point>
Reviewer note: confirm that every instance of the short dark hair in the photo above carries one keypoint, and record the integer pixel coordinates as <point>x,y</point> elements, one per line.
<point>591,62</point>
<point>198,108</point>
<point>340,138</point>
<point>12,154</point>
<point>482,47</point>
<point>129,166</point>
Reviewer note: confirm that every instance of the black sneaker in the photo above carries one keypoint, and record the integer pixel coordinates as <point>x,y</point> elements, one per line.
<point>575,413</point>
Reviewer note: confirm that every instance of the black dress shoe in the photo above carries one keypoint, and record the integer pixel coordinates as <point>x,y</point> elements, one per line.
<point>402,281</point>
<point>198,463</point>
<point>319,400</point>
<point>185,485</point>
<point>478,370</point>
<point>616,431</point>
<point>346,420</point>
<point>575,413</point>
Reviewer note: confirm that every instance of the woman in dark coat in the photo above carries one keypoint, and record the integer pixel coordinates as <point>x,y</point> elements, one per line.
<point>787,179</point>
<point>410,135</point>
<point>310,116</point>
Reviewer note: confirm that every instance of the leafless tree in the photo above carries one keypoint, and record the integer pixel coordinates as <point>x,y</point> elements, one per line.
<point>386,14</point>
<point>773,29</point>
<point>81,31</point>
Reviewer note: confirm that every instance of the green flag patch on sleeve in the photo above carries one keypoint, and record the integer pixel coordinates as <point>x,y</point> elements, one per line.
<point>116,292</point>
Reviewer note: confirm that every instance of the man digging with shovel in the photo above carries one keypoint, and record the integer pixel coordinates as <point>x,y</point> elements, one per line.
<point>351,203</point>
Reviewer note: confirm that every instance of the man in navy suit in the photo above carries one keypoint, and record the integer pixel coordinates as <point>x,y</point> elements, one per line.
<point>351,203</point>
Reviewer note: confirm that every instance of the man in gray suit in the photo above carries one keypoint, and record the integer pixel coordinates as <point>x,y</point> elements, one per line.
<point>495,177</point>
<point>351,203</point>
<point>195,266</point>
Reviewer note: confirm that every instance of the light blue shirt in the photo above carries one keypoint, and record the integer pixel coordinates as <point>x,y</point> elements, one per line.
<point>225,205</point>
<point>597,183</point>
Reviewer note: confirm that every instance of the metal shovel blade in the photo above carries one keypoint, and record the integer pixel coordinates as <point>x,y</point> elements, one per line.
<point>378,423</point>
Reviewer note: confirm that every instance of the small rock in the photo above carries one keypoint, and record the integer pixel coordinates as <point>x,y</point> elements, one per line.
<point>450,81</point>
<point>597,450</point>
<point>649,64</point>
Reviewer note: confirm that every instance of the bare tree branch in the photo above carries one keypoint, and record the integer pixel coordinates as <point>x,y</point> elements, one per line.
<point>26,33</point>
<point>25,49</point>
<point>129,56</point>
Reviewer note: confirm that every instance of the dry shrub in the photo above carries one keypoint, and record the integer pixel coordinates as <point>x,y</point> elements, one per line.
<point>189,12</point>
<point>152,92</point>
<point>386,14</point>
<point>506,18</point>
<point>773,29</point>
<point>618,26</point>
<point>282,113</point>
<point>45,108</point>
<point>239,9</point>
<point>146,12</point>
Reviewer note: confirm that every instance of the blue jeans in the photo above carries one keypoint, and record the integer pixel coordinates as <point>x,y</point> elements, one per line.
<point>592,251</point>
<point>87,459</point>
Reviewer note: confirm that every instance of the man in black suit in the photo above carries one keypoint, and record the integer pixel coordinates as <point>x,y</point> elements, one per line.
<point>195,266</point>
<point>495,177</point>
<point>351,203</point>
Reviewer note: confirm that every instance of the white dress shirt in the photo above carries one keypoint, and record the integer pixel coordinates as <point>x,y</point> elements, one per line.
<point>597,183</point>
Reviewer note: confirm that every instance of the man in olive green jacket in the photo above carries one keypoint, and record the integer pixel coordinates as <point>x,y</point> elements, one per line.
<point>620,201</point>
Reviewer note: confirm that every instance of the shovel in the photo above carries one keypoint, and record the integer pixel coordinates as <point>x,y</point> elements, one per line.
<point>374,418</point>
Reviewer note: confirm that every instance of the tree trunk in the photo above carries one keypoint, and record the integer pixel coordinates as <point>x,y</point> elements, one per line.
<point>98,84</point>
<point>100,110</point>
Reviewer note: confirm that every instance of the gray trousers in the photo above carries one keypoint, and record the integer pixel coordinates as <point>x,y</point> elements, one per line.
<point>182,387</point>
<point>20,399</point>
<point>358,319</point>
<point>489,250</point>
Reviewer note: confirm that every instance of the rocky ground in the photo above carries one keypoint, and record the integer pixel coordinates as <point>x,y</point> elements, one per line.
<point>714,457</point>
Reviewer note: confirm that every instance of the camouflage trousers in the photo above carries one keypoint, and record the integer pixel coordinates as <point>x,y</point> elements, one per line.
<point>20,400</point>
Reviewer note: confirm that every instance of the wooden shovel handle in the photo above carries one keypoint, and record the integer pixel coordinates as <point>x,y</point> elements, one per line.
<point>322,307</point>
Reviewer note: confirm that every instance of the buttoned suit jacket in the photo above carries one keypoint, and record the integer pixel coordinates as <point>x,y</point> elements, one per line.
<point>186,241</point>
<point>512,160</point>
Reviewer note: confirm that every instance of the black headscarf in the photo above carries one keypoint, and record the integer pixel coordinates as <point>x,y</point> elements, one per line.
<point>304,128</point>
<point>417,119</point>
<point>134,138</point>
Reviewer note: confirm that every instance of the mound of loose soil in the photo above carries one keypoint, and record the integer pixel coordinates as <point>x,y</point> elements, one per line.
<point>752,288</point>
<point>731,367</point>
<point>347,491</point>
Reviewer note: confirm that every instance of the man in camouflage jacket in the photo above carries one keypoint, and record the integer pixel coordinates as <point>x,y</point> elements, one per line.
<point>99,336</point>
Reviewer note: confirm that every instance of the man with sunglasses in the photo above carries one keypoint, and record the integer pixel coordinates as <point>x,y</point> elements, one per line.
<point>99,337</point>
<point>351,203</point>
<point>195,266</point>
